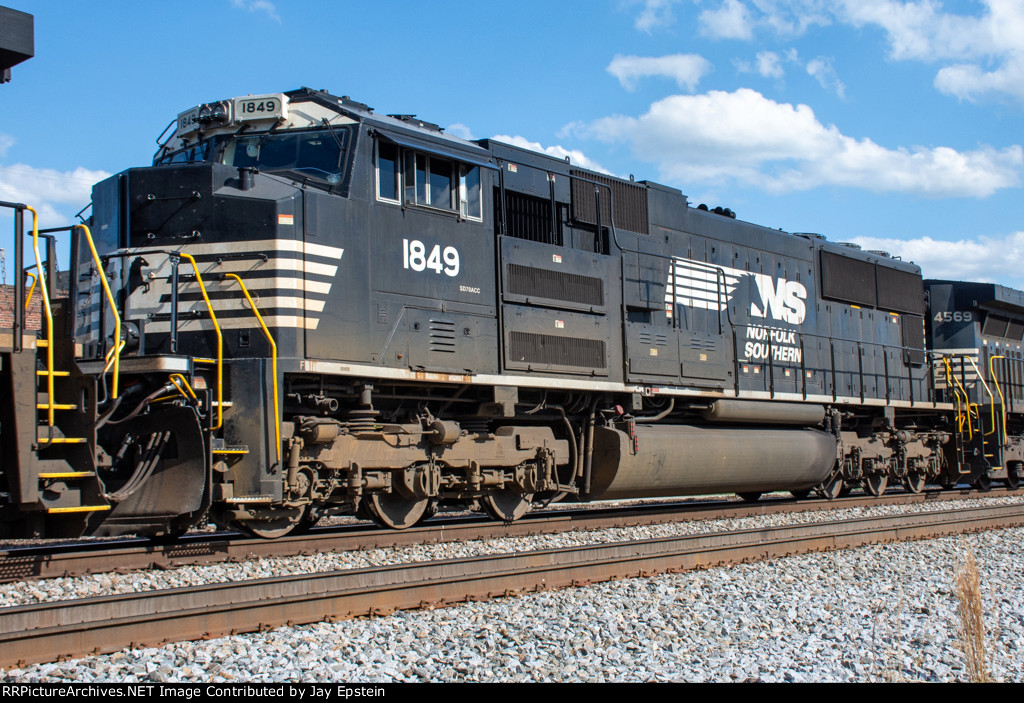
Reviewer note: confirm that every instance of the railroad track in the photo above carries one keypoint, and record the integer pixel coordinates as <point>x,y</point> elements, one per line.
<point>18,563</point>
<point>67,629</point>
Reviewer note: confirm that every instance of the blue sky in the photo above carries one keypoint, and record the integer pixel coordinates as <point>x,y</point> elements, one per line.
<point>893,124</point>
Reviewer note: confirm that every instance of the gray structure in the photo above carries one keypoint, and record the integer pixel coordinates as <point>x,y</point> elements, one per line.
<point>17,40</point>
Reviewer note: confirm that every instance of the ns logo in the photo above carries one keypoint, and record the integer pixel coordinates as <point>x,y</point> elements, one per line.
<point>697,284</point>
<point>779,299</point>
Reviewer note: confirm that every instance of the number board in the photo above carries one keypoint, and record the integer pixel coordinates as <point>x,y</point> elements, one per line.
<point>187,121</point>
<point>261,107</point>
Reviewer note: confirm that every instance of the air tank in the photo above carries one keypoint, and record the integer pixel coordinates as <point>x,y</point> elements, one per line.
<point>675,460</point>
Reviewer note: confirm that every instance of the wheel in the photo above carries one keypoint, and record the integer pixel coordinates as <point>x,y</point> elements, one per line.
<point>800,495</point>
<point>914,483</point>
<point>750,496</point>
<point>983,483</point>
<point>876,484</point>
<point>1013,475</point>
<point>273,523</point>
<point>394,511</point>
<point>507,505</point>
<point>833,487</point>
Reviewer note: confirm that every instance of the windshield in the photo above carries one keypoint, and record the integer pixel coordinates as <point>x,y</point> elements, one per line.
<point>319,154</point>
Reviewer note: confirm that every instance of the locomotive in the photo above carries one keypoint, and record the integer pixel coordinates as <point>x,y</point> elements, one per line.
<point>304,308</point>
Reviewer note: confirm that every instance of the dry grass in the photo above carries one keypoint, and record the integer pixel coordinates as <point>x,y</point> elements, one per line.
<point>967,586</point>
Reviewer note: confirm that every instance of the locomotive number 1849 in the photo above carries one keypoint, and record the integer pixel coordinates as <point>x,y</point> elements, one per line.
<point>415,257</point>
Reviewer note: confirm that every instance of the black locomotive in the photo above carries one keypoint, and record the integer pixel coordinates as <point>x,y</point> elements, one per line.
<point>304,308</point>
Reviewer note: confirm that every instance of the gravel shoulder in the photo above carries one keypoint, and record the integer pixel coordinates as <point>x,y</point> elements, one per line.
<point>877,613</point>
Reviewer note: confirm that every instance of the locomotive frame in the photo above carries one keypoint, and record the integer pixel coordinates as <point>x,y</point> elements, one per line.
<point>304,308</point>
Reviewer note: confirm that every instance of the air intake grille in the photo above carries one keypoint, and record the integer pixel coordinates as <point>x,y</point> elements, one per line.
<point>557,351</point>
<point>442,336</point>
<point>527,217</point>
<point>555,285</point>
<point>630,201</point>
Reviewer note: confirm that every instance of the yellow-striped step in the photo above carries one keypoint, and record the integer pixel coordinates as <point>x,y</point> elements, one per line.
<point>56,406</point>
<point>79,509</point>
<point>232,450</point>
<point>67,474</point>
<point>60,374</point>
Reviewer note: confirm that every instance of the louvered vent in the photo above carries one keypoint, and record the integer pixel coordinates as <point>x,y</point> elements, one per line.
<point>557,351</point>
<point>653,340</point>
<point>442,336</point>
<point>555,285</point>
<point>630,201</point>
<point>527,217</point>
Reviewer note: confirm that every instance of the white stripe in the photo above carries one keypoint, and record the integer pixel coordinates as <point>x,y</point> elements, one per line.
<point>235,323</point>
<point>256,245</point>
<point>256,284</point>
<point>334,367</point>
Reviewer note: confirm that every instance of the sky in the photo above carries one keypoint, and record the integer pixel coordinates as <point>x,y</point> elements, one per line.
<point>894,125</point>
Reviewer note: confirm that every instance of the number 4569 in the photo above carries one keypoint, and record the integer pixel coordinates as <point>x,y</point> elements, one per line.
<point>957,316</point>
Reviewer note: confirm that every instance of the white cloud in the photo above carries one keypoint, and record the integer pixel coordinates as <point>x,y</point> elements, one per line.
<point>56,195</point>
<point>6,142</point>
<point>984,50</point>
<point>685,69</point>
<point>821,70</point>
<point>575,156</point>
<point>742,136</point>
<point>988,48</point>
<point>460,130</point>
<point>993,258</point>
<point>258,6</point>
<point>730,21</point>
<point>769,64</point>
<point>653,14</point>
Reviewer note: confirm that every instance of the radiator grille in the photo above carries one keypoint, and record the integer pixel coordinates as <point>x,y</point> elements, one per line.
<point>900,291</point>
<point>555,285</point>
<point>526,347</point>
<point>847,279</point>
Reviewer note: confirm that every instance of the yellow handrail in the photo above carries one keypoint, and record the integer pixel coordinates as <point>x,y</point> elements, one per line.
<point>220,340</point>
<point>950,378</point>
<point>273,353</point>
<point>175,378</point>
<point>28,299</point>
<point>987,390</point>
<point>49,316</point>
<point>1002,400</point>
<point>118,345</point>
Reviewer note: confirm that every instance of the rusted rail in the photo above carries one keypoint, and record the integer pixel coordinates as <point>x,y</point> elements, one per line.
<point>52,631</point>
<point>73,559</point>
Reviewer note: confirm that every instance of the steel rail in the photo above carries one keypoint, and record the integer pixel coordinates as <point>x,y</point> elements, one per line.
<point>19,563</point>
<point>60,630</point>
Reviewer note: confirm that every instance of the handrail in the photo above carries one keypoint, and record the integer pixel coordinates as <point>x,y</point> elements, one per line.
<point>950,377</point>
<point>175,378</point>
<point>113,307</point>
<point>273,353</point>
<point>987,390</point>
<point>50,406</point>
<point>1002,400</point>
<point>28,299</point>
<point>220,339</point>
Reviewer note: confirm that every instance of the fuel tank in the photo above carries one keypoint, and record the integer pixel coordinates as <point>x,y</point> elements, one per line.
<point>675,460</point>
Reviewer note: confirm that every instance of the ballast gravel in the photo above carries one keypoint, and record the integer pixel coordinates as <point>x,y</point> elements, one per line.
<point>877,613</point>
